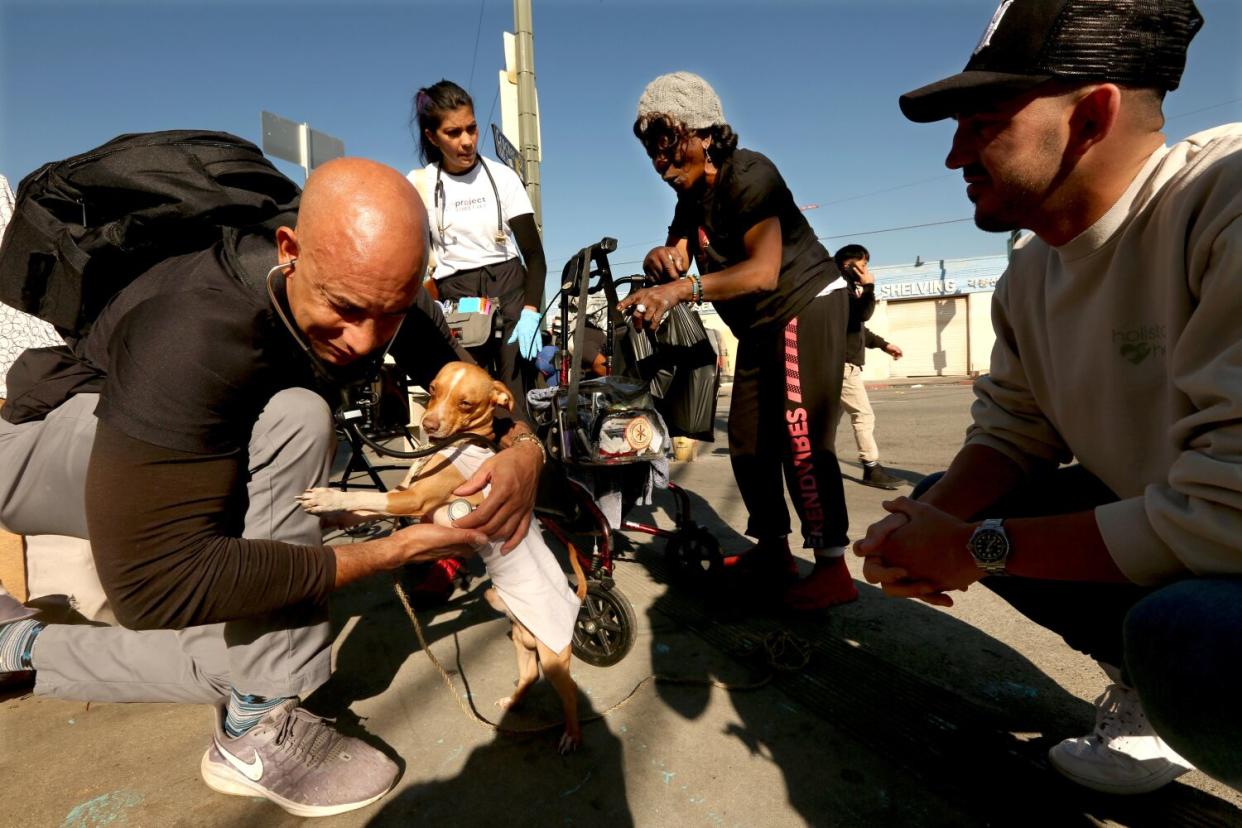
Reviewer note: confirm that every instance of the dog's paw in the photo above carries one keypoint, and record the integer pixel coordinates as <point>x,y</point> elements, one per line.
<point>321,501</point>
<point>569,742</point>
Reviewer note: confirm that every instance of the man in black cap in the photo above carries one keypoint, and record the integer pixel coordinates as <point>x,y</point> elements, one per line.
<point>1118,345</point>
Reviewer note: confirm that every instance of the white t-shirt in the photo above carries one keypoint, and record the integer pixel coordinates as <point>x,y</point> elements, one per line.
<point>463,217</point>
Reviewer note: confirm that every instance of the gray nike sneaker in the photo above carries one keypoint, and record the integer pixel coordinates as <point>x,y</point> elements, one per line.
<point>298,761</point>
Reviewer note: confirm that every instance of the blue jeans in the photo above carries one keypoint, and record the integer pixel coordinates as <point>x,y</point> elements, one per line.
<point>1183,656</point>
<point>1177,645</point>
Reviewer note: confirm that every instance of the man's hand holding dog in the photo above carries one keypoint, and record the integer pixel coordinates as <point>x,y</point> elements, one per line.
<point>419,543</point>
<point>513,475</point>
<point>918,551</point>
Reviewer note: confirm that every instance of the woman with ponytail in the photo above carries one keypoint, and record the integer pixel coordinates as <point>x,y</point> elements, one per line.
<point>481,222</point>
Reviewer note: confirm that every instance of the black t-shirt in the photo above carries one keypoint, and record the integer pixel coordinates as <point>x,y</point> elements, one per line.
<point>748,190</point>
<point>189,354</point>
<point>192,350</point>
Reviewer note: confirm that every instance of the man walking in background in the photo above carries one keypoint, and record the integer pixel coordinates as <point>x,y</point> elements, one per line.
<point>852,260</point>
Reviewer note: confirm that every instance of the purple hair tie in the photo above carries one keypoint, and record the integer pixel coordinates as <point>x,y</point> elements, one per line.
<point>421,100</point>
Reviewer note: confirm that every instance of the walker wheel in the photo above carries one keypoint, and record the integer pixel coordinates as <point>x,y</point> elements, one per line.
<point>606,627</point>
<point>694,552</point>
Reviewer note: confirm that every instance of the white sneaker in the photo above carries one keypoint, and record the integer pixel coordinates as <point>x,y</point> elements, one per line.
<point>1124,755</point>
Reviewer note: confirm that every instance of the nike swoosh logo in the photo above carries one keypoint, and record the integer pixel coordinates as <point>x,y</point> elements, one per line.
<point>251,770</point>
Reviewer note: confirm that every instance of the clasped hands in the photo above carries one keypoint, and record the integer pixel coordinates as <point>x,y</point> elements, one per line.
<point>918,551</point>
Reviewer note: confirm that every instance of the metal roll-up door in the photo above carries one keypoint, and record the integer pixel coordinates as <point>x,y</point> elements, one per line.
<point>932,333</point>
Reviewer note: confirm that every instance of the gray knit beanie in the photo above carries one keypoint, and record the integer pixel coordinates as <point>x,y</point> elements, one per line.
<point>684,96</point>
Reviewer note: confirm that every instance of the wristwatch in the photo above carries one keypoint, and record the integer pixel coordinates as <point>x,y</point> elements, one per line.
<point>989,546</point>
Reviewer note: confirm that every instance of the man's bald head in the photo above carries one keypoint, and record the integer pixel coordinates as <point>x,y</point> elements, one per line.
<point>360,215</point>
<point>361,248</point>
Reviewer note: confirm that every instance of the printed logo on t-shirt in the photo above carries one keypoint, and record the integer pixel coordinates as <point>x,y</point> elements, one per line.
<point>466,204</point>
<point>1137,344</point>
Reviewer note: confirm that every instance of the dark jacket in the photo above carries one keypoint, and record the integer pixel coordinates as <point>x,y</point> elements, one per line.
<point>857,338</point>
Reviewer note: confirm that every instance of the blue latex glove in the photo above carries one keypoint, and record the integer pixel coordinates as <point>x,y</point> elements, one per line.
<point>526,334</point>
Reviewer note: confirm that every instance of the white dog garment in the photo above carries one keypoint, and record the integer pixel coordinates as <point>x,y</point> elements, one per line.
<point>529,579</point>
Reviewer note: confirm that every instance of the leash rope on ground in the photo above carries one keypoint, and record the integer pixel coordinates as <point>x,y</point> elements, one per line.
<point>785,653</point>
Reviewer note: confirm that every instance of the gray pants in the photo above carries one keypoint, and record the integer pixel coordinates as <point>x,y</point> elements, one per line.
<point>42,492</point>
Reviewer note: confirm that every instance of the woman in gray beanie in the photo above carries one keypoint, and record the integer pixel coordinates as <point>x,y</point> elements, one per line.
<point>759,263</point>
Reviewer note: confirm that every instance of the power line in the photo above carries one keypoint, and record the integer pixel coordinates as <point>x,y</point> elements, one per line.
<point>860,233</point>
<point>940,177</point>
<point>1203,109</point>
<point>474,59</point>
<point>495,98</point>
<point>895,229</point>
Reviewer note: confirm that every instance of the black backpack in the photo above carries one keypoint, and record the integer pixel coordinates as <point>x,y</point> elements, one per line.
<point>84,228</point>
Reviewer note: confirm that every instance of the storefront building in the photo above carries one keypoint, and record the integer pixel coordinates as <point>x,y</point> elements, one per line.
<point>937,312</point>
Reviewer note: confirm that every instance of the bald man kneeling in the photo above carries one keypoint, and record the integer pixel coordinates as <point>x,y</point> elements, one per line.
<point>208,422</point>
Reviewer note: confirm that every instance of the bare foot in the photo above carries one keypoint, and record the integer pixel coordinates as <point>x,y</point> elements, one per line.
<point>507,702</point>
<point>828,584</point>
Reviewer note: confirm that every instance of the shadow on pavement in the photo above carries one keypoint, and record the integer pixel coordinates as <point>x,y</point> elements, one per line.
<point>522,780</point>
<point>980,749</point>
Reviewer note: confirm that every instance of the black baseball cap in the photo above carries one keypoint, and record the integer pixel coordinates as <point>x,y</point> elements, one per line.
<point>1028,42</point>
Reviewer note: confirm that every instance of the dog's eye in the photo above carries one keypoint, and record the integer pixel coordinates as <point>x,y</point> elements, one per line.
<point>465,405</point>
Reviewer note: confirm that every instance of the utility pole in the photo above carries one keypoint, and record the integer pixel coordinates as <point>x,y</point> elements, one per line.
<point>528,117</point>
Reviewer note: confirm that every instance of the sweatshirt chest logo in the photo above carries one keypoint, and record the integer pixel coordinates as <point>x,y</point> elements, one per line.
<point>1136,345</point>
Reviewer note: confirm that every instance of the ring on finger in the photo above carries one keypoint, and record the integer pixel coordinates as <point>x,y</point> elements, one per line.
<point>640,307</point>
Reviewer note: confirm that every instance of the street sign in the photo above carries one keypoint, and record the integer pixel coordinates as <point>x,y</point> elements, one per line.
<point>291,141</point>
<point>323,148</point>
<point>508,153</point>
<point>282,138</point>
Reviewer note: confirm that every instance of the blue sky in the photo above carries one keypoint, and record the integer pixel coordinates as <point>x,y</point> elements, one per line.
<point>812,85</point>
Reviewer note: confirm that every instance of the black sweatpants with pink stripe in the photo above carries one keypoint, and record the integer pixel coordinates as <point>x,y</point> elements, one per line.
<point>783,421</point>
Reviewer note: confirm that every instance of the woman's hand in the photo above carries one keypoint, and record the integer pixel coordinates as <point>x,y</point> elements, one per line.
<point>664,264</point>
<point>507,509</point>
<point>650,305</point>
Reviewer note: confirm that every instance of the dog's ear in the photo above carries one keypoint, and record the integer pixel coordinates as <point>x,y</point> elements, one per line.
<point>501,395</point>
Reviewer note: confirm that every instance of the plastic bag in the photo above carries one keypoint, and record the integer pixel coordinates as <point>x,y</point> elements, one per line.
<point>680,365</point>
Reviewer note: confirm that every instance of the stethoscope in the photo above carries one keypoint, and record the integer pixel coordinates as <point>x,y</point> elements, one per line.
<point>321,371</point>
<point>442,201</point>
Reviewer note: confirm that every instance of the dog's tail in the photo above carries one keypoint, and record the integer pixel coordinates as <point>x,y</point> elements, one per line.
<point>578,573</point>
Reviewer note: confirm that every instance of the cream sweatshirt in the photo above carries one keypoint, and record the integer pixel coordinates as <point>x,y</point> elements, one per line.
<point>1123,349</point>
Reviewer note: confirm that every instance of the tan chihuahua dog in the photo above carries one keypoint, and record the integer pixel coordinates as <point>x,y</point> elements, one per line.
<point>536,597</point>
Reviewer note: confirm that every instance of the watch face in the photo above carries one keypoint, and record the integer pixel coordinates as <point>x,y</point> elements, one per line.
<point>989,546</point>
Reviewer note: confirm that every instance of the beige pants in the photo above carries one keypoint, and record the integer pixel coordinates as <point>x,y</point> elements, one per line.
<point>854,400</point>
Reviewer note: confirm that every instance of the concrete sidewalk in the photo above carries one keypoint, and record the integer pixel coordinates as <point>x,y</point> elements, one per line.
<point>905,714</point>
